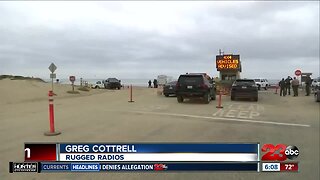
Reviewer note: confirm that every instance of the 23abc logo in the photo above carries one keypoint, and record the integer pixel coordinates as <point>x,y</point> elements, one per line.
<point>280,152</point>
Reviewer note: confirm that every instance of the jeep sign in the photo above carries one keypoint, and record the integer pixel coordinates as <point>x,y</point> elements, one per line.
<point>297,72</point>
<point>72,79</point>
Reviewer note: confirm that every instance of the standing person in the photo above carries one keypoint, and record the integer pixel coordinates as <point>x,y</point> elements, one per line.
<point>282,85</point>
<point>288,84</point>
<point>308,85</point>
<point>149,84</point>
<point>155,83</point>
<point>295,86</point>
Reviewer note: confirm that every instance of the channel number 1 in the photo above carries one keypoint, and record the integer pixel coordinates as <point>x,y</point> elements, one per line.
<point>28,152</point>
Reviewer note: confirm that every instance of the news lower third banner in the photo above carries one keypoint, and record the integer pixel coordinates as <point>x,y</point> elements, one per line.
<point>100,157</point>
<point>143,152</point>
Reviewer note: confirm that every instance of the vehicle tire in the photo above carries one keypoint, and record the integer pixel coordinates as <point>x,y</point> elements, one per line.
<point>255,99</point>
<point>259,87</point>
<point>118,88</point>
<point>207,98</point>
<point>180,99</point>
<point>266,88</point>
<point>166,95</point>
<point>213,97</point>
<point>316,97</point>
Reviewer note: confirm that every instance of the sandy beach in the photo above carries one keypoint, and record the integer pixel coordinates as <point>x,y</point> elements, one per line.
<point>106,116</point>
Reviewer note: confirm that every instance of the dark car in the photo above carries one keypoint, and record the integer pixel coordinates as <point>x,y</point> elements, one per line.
<point>195,86</point>
<point>317,94</point>
<point>169,88</point>
<point>244,88</point>
<point>112,83</point>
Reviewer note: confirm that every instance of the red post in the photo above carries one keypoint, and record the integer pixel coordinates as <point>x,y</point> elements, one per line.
<point>131,94</point>
<point>219,100</point>
<point>51,116</point>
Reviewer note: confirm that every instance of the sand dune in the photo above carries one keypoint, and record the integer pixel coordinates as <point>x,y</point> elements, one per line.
<point>16,91</point>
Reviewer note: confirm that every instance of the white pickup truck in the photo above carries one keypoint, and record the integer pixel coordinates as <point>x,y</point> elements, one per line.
<point>98,85</point>
<point>262,83</point>
<point>315,83</point>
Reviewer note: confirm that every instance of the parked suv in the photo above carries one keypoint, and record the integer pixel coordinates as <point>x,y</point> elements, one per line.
<point>169,88</point>
<point>112,83</point>
<point>262,83</point>
<point>195,86</point>
<point>244,88</point>
<point>317,94</point>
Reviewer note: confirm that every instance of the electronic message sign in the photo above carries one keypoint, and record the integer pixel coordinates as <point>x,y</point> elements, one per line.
<point>228,62</point>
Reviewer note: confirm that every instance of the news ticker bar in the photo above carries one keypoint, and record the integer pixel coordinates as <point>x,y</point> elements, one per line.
<point>151,152</point>
<point>52,167</point>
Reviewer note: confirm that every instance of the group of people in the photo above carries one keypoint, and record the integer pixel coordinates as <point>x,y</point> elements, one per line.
<point>286,84</point>
<point>155,83</point>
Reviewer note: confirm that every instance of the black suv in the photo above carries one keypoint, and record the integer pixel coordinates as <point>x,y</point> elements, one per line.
<point>112,83</point>
<point>244,88</point>
<point>195,86</point>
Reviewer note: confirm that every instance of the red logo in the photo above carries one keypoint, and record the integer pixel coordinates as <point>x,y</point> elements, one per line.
<point>280,152</point>
<point>160,167</point>
<point>297,72</point>
<point>72,78</point>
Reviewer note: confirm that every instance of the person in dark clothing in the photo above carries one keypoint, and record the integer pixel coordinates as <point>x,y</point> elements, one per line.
<point>282,85</point>
<point>288,84</point>
<point>308,85</point>
<point>149,84</point>
<point>155,83</point>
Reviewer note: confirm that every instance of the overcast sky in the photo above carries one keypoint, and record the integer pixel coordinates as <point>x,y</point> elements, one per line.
<point>145,39</point>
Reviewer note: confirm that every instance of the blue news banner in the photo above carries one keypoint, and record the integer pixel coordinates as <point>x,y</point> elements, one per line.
<point>154,157</point>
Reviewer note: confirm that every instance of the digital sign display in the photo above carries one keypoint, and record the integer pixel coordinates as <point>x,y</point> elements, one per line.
<point>228,62</point>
